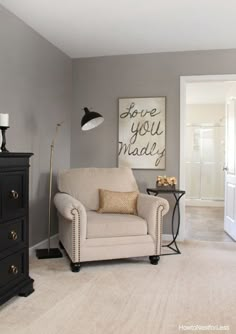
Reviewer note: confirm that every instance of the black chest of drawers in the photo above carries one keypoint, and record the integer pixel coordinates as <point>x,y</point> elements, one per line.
<point>14,226</point>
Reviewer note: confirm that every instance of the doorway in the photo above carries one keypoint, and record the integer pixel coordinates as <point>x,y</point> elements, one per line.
<point>202,156</point>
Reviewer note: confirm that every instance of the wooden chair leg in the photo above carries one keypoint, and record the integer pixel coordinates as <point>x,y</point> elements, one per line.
<point>154,259</point>
<point>75,267</point>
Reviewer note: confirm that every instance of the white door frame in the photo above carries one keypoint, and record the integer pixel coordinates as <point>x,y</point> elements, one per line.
<point>184,80</point>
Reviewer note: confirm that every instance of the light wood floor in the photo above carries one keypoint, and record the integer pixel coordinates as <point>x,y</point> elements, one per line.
<point>205,223</point>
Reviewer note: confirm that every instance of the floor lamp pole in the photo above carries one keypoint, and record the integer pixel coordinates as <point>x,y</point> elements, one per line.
<point>50,197</point>
<point>50,252</point>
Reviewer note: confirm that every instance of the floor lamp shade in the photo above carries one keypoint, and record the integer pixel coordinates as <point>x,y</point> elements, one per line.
<point>91,120</point>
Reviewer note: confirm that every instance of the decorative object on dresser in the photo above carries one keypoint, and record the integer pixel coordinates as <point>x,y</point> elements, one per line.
<point>87,235</point>
<point>142,133</point>
<point>4,125</point>
<point>90,120</point>
<point>14,226</point>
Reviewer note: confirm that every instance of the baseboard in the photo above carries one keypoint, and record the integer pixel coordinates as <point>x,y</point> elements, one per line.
<point>44,244</point>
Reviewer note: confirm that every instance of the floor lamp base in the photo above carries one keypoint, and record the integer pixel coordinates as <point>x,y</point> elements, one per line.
<point>52,253</point>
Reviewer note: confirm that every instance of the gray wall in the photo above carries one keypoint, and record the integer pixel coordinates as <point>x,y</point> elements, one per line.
<point>99,82</point>
<point>35,89</point>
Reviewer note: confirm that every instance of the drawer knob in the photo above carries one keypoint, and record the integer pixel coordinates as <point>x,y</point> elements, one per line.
<point>13,235</point>
<point>13,270</point>
<point>14,194</point>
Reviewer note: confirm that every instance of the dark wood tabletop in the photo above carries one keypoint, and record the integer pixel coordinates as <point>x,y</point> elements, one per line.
<point>163,190</point>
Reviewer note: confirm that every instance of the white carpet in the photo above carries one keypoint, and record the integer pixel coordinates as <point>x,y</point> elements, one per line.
<point>130,296</point>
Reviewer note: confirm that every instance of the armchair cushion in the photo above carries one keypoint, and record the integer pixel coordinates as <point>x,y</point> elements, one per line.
<point>117,202</point>
<point>110,225</point>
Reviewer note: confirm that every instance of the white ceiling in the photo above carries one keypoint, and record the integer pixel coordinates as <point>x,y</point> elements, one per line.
<point>207,92</point>
<point>86,28</point>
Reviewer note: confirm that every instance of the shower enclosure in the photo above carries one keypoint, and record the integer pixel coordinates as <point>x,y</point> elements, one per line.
<point>205,162</point>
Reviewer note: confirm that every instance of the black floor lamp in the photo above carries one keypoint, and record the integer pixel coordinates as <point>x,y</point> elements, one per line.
<point>90,120</point>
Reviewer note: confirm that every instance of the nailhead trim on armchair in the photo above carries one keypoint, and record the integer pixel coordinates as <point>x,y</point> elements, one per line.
<point>159,217</point>
<point>75,235</point>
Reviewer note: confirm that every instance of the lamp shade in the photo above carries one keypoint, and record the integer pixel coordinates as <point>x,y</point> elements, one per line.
<point>91,120</point>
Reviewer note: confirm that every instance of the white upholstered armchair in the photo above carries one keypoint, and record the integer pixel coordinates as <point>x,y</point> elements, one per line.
<point>87,235</point>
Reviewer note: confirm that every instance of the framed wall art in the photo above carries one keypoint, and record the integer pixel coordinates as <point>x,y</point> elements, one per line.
<point>142,133</point>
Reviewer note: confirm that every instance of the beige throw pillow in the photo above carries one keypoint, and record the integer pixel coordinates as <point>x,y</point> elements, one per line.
<point>117,202</point>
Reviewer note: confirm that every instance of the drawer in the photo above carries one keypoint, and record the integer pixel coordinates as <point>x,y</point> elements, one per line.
<point>13,268</point>
<point>13,193</point>
<point>12,233</point>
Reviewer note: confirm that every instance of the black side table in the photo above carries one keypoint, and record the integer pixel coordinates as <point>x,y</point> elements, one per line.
<point>177,195</point>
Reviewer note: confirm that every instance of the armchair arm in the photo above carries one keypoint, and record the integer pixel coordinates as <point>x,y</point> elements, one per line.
<point>65,205</point>
<point>152,209</point>
<point>72,234</point>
